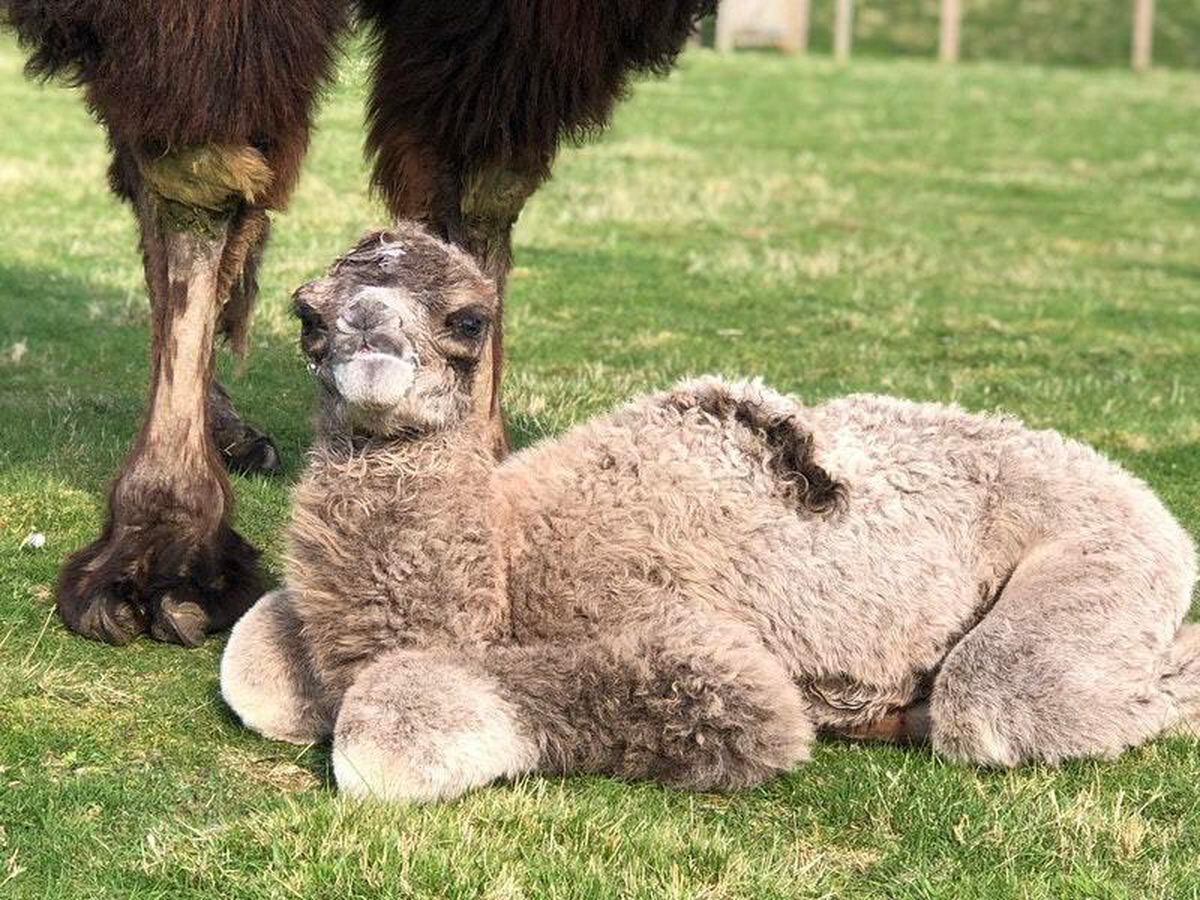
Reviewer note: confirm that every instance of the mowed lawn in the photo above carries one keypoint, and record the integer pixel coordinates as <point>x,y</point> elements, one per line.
<point>1007,238</point>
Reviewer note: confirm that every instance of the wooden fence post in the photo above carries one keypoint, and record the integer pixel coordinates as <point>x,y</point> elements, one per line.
<point>795,38</point>
<point>950,33</point>
<point>723,40</point>
<point>843,30</point>
<point>1143,34</point>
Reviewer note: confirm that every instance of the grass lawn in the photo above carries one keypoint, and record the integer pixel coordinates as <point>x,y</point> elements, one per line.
<point>1003,237</point>
<point>1087,32</point>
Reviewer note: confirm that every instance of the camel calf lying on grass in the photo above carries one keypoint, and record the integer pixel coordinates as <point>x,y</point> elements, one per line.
<point>689,588</point>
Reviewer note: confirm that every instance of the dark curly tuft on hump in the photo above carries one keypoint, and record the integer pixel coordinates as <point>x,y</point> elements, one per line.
<point>788,442</point>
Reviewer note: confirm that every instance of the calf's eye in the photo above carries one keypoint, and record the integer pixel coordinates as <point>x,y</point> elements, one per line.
<point>470,325</point>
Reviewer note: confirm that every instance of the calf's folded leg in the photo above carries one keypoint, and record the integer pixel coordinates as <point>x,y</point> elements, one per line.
<point>693,707</point>
<point>1078,658</point>
<point>266,676</point>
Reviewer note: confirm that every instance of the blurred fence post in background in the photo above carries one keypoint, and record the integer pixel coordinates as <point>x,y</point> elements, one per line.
<point>795,39</point>
<point>843,30</point>
<point>1143,34</point>
<point>950,32</point>
<point>762,23</point>
<point>727,20</point>
<point>1050,31</point>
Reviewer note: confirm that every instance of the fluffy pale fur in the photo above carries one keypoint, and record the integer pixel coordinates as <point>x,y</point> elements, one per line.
<point>690,587</point>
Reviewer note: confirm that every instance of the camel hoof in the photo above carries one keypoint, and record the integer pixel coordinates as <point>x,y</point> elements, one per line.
<point>110,618</point>
<point>176,588</point>
<point>179,619</point>
<point>244,449</point>
<point>255,455</point>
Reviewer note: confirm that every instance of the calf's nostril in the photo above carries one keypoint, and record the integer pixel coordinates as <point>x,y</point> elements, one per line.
<point>366,314</point>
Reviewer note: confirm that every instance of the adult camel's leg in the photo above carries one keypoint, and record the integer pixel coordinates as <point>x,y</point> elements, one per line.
<point>207,108</point>
<point>168,559</point>
<point>242,447</point>
<point>460,148</point>
<point>475,210</point>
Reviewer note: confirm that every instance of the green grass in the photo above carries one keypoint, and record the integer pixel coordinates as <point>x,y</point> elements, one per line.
<point>1002,237</point>
<point>1074,32</point>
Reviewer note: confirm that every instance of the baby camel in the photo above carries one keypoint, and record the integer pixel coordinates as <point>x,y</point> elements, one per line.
<point>689,588</point>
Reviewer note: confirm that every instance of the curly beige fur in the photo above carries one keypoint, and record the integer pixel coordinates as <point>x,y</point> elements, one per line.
<point>690,587</point>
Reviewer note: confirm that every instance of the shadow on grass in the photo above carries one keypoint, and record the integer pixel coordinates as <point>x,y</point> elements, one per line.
<point>53,302</point>
<point>316,759</point>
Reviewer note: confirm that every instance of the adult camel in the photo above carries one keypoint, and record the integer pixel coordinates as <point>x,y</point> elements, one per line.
<point>207,106</point>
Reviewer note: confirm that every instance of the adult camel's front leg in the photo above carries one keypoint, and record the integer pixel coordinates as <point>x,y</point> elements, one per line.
<point>167,560</point>
<point>490,202</point>
<point>207,109</point>
<point>475,209</point>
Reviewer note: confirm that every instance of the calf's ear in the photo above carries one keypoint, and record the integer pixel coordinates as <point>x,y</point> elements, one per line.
<point>314,333</point>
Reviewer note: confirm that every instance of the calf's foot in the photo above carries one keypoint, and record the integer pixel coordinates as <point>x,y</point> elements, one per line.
<point>420,726</point>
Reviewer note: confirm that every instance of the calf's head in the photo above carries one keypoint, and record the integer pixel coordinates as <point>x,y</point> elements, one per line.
<point>395,332</point>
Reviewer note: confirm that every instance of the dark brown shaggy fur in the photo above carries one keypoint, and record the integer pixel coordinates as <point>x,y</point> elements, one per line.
<point>500,83</point>
<point>189,72</point>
